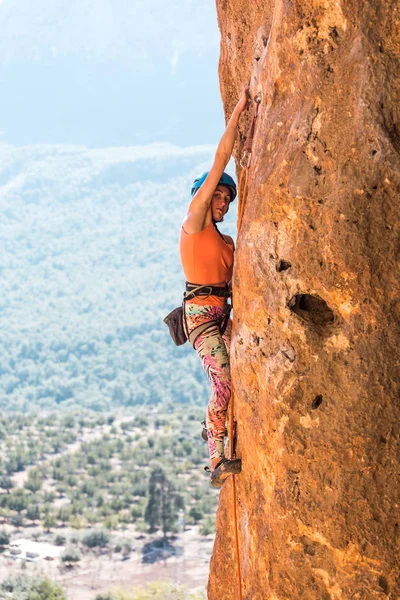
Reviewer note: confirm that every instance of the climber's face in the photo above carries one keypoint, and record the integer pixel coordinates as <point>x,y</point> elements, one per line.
<point>220,202</point>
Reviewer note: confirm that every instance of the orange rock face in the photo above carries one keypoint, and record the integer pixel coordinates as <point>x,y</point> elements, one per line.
<point>315,352</point>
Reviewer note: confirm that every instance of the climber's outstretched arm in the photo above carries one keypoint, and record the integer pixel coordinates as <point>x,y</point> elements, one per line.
<point>199,211</point>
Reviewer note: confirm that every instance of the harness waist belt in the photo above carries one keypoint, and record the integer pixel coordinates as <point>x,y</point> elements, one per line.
<point>194,290</point>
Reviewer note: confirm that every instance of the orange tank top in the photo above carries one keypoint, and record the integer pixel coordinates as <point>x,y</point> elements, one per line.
<point>206,258</point>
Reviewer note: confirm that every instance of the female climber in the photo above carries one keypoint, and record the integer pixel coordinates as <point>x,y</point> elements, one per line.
<point>207,261</point>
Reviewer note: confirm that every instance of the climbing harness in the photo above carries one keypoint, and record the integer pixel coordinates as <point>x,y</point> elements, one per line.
<point>196,290</point>
<point>242,196</point>
<point>176,319</point>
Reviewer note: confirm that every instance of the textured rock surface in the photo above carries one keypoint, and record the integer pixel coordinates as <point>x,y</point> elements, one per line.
<point>315,356</point>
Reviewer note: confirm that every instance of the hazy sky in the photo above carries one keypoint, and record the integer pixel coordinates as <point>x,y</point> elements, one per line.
<point>109,72</point>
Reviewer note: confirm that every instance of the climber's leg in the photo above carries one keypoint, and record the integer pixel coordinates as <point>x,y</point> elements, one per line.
<point>213,353</point>
<point>227,336</point>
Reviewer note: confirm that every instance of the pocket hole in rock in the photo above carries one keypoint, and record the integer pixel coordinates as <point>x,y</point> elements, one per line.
<point>334,33</point>
<point>317,402</point>
<point>283,265</point>
<point>383,583</point>
<point>315,311</point>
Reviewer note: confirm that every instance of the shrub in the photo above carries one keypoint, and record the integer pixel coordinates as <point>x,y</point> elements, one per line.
<point>77,522</point>
<point>196,513</point>
<point>136,512</point>
<point>207,527</point>
<point>34,481</point>
<point>63,515</point>
<point>111,522</point>
<point>126,548</point>
<point>17,520</point>
<point>141,422</point>
<point>4,538</point>
<point>23,587</point>
<point>70,556</point>
<point>49,521</point>
<point>6,483</point>
<point>68,421</point>
<point>154,591</point>
<point>95,538</point>
<point>17,500</point>
<point>33,512</point>
<point>60,540</point>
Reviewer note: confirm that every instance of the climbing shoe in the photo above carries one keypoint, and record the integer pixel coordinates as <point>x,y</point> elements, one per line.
<point>225,469</point>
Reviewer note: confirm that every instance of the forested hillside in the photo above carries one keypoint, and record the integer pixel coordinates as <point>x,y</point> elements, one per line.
<point>89,266</point>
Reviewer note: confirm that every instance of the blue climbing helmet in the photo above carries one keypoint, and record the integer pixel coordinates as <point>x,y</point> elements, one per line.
<point>225,180</point>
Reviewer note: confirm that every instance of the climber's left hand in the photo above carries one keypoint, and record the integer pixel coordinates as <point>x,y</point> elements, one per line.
<point>244,100</point>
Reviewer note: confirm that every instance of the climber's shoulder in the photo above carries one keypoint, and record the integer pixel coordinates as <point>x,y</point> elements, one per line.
<point>229,240</point>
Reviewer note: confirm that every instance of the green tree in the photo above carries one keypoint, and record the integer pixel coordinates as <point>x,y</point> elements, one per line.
<point>163,503</point>
<point>208,526</point>
<point>49,521</point>
<point>68,421</point>
<point>34,481</point>
<point>63,515</point>
<point>4,538</point>
<point>136,512</point>
<point>196,513</point>
<point>33,512</point>
<point>6,483</point>
<point>17,500</point>
<point>17,520</point>
<point>91,458</point>
<point>16,462</point>
<point>89,487</point>
<point>127,425</point>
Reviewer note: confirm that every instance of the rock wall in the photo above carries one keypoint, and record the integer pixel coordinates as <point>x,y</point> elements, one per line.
<point>316,285</point>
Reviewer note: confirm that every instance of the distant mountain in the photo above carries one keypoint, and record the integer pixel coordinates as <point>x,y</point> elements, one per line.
<point>109,72</point>
<point>106,28</point>
<point>89,266</point>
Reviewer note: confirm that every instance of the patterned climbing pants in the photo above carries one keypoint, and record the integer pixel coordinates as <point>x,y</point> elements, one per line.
<point>213,351</point>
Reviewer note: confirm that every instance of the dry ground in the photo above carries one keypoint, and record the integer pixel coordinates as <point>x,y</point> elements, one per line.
<point>98,573</point>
